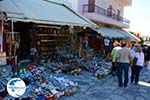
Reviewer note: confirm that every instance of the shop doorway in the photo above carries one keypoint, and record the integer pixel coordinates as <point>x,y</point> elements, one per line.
<point>23,52</point>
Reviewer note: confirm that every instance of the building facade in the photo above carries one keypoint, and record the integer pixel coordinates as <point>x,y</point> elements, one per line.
<point>108,15</point>
<point>104,12</point>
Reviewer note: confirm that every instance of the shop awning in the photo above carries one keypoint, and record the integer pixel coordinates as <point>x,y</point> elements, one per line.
<point>130,36</point>
<point>8,6</point>
<point>43,11</point>
<point>111,33</point>
<point>1,15</point>
<point>116,33</point>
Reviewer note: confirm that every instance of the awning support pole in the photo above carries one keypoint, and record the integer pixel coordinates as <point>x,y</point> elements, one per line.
<point>12,29</point>
<point>14,58</point>
<point>2,34</point>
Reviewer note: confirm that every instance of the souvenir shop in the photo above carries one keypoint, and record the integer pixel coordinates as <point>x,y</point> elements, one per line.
<point>2,54</point>
<point>49,40</point>
<point>55,41</point>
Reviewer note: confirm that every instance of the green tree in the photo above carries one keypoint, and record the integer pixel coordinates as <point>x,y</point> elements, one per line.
<point>142,40</point>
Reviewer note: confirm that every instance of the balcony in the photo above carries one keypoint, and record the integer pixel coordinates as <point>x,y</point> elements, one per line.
<point>102,15</point>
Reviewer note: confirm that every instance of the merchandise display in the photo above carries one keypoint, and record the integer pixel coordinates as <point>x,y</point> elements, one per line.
<point>44,81</point>
<point>70,64</point>
<point>99,67</point>
<point>41,84</point>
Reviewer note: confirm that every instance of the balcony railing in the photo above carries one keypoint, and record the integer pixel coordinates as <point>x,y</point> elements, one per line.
<point>110,13</point>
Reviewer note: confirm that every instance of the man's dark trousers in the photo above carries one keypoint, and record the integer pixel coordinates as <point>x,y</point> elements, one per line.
<point>123,67</point>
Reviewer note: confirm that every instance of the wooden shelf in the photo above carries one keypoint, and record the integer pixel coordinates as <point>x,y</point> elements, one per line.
<point>48,40</point>
<point>52,35</point>
<point>13,32</point>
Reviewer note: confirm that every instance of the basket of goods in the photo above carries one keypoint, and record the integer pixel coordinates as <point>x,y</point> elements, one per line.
<point>70,91</point>
<point>50,97</point>
<point>87,57</point>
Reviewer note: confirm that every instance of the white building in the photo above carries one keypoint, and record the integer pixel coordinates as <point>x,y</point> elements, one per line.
<point>107,14</point>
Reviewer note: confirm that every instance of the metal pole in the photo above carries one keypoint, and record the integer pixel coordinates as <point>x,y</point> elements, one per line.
<point>12,43</point>
<point>12,30</point>
<point>2,34</point>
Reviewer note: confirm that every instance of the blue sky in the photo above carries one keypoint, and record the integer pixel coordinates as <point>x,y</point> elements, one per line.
<point>139,15</point>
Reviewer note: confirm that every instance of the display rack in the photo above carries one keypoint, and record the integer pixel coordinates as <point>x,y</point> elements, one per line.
<point>48,39</point>
<point>13,45</point>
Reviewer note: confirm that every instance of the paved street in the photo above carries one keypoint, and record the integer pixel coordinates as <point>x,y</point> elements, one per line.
<point>91,88</point>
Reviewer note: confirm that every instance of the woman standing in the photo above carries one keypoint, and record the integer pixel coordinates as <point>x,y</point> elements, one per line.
<point>138,65</point>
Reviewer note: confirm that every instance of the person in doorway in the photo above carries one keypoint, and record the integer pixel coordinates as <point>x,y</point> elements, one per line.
<point>33,53</point>
<point>113,56</point>
<point>107,45</point>
<point>139,63</point>
<point>85,45</point>
<point>124,60</point>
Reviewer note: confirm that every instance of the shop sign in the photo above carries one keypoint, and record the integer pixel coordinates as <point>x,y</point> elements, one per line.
<point>2,58</point>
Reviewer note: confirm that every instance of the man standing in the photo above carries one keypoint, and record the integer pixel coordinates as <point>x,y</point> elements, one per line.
<point>107,45</point>
<point>114,56</point>
<point>124,59</point>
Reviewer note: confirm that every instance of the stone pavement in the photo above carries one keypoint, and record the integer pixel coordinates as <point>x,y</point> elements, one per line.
<point>91,88</point>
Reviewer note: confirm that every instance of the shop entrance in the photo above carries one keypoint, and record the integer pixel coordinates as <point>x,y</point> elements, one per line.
<point>23,51</point>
